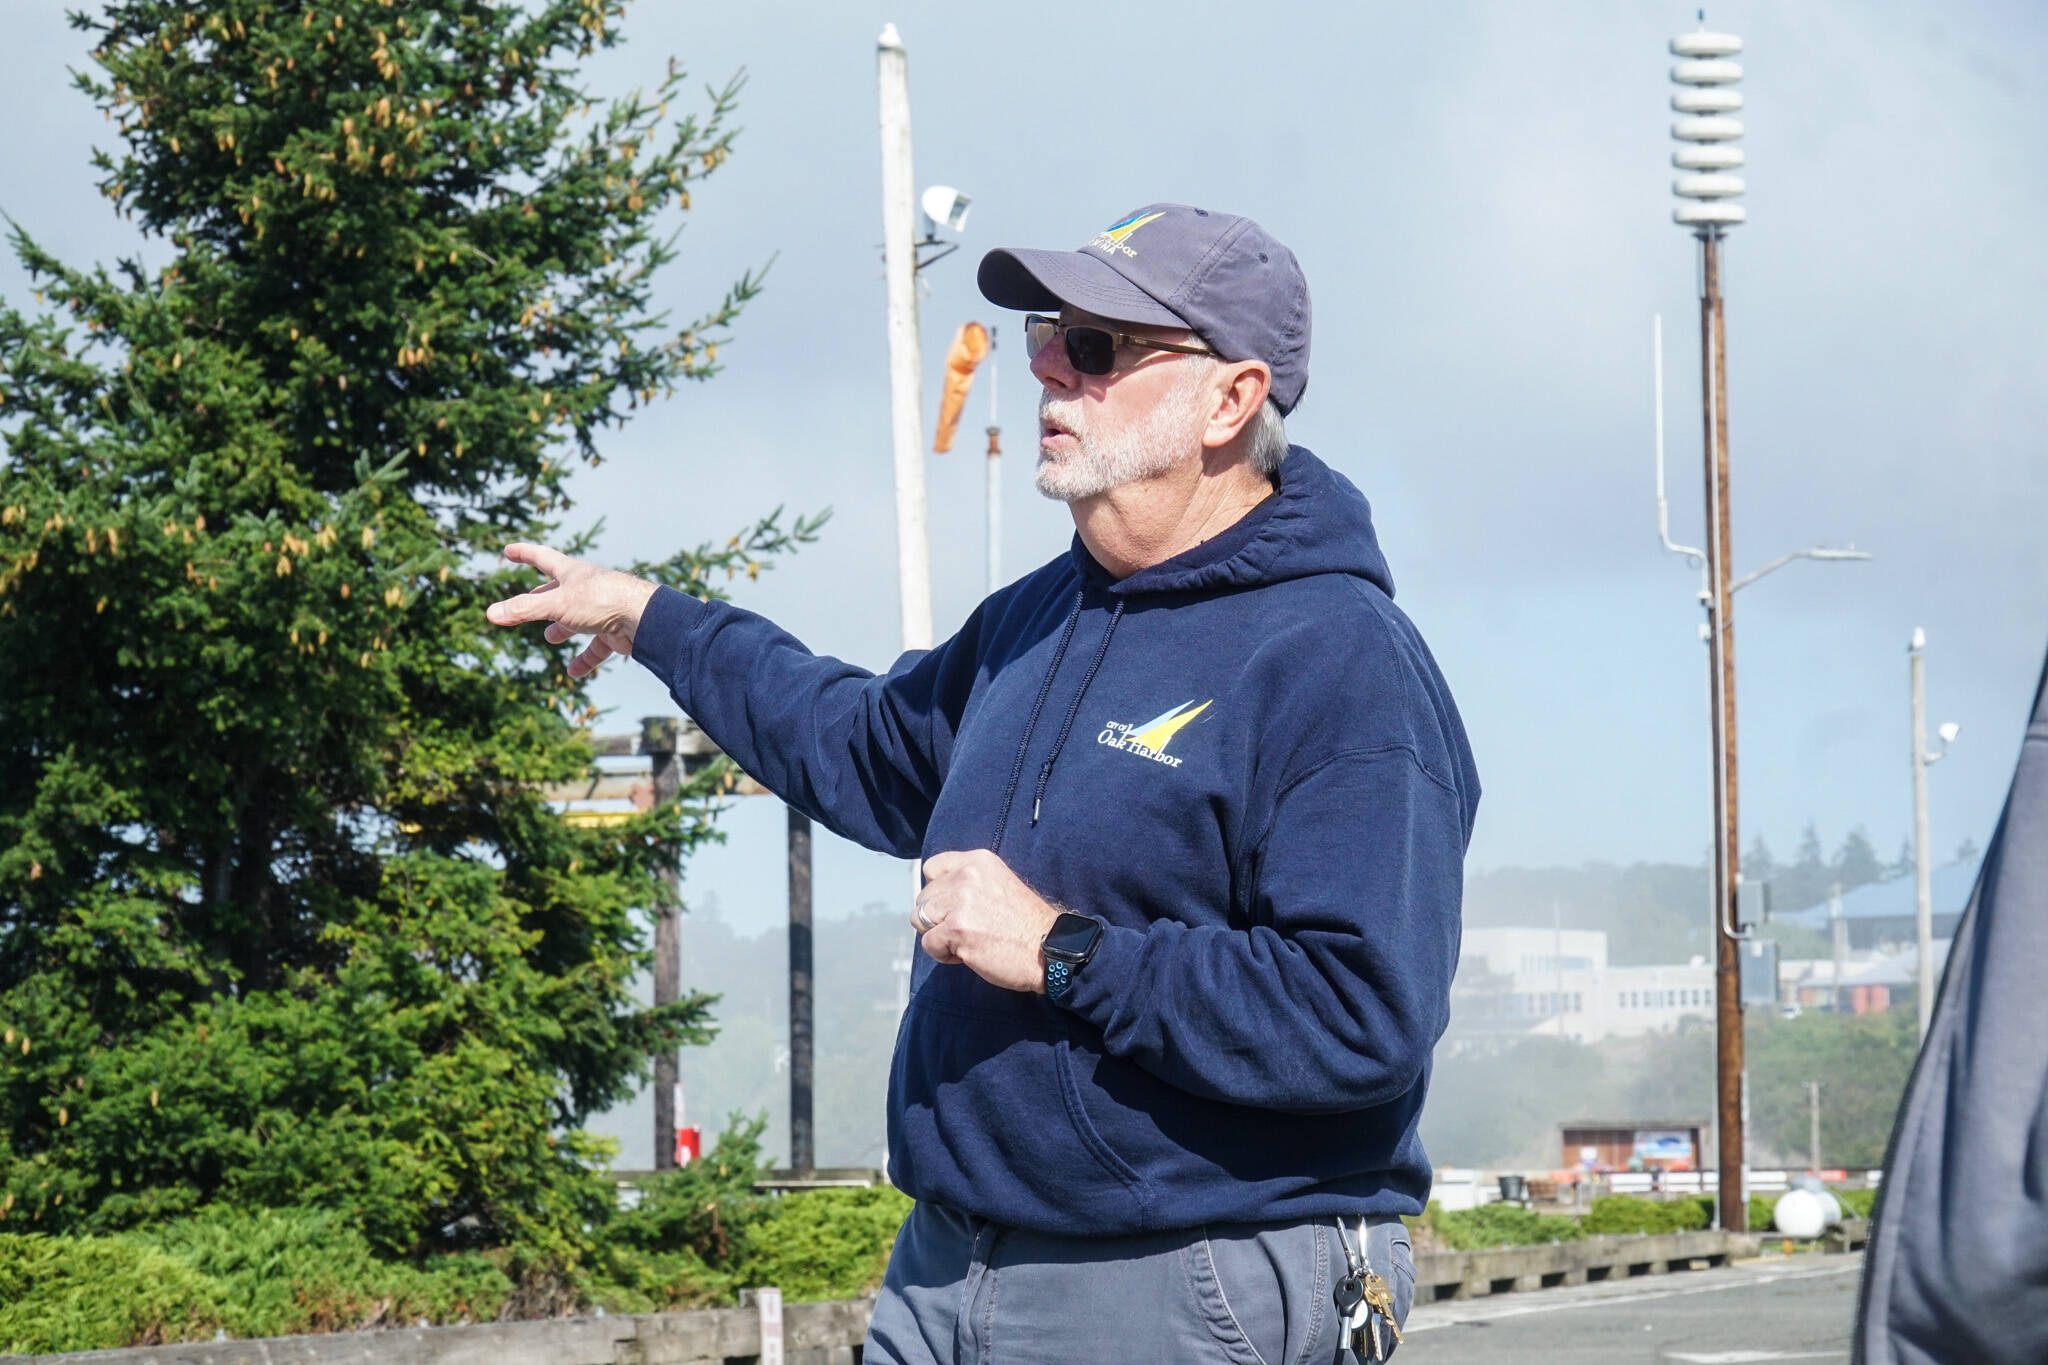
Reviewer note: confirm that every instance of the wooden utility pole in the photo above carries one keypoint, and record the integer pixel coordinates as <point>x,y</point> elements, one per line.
<point>802,1137</point>
<point>1731,1079</point>
<point>658,736</point>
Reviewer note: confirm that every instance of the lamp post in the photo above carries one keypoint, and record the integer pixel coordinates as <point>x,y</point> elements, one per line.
<point>1706,102</point>
<point>1923,878</point>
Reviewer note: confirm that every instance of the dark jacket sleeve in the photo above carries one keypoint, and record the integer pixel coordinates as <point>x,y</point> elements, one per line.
<point>861,753</point>
<point>1334,997</point>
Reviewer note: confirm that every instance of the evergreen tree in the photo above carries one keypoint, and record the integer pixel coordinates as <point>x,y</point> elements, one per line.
<point>282,917</point>
<point>1809,878</point>
<point>1856,862</point>
<point>1757,865</point>
<point>1902,866</point>
<point>1967,851</point>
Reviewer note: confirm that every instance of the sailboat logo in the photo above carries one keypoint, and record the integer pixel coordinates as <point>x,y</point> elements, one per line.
<point>1149,740</point>
<point>1111,238</point>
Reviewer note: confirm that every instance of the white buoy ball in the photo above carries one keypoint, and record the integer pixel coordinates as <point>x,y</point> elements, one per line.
<point>1799,1213</point>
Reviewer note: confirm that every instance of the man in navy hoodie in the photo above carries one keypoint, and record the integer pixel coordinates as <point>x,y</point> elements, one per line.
<point>1193,803</point>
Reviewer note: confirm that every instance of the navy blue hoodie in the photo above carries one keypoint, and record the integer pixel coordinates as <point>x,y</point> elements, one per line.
<point>1246,764</point>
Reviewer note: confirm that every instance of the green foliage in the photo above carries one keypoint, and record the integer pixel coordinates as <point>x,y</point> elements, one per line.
<point>1621,1214</point>
<point>1502,1107</point>
<point>704,1230</point>
<point>284,919</point>
<point>1498,1225</point>
<point>1862,1062</point>
<point>76,1294</point>
<point>825,1244</point>
<point>1855,1203</point>
<point>697,1235</point>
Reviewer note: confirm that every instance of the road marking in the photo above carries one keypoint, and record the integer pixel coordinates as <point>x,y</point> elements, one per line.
<point>1749,1357</point>
<point>1485,1310</point>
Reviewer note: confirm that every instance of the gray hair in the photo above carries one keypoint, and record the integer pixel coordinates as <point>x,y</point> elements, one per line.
<point>1268,439</point>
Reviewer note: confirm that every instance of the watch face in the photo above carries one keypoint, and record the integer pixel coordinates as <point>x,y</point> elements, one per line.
<point>1072,938</point>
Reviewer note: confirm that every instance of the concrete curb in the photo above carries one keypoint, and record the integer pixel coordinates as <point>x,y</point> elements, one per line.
<point>1472,1274</point>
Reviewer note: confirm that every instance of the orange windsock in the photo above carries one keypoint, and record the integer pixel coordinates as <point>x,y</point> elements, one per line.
<point>970,345</point>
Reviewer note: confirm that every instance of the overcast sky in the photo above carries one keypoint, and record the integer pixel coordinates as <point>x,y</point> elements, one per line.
<point>1479,194</point>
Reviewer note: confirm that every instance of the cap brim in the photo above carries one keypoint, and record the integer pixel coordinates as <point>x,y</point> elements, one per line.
<point>1027,280</point>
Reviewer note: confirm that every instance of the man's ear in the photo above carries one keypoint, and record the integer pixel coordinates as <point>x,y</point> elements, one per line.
<point>1245,385</point>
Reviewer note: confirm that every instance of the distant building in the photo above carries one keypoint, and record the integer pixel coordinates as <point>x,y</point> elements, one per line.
<point>1882,914</point>
<point>1870,982</point>
<point>1599,1146</point>
<point>1524,982</point>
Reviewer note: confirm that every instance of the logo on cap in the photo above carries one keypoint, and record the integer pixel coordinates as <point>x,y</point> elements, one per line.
<point>1111,238</point>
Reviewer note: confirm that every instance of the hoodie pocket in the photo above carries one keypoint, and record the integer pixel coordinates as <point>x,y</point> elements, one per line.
<point>985,1117</point>
<point>1091,1138</point>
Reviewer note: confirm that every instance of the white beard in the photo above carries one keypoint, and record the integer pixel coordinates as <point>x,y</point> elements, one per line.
<point>1164,436</point>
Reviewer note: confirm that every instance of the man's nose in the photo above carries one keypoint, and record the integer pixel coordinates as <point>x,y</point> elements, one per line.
<point>1051,368</point>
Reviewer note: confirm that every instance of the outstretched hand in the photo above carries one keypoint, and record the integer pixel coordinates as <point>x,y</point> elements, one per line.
<point>579,598</point>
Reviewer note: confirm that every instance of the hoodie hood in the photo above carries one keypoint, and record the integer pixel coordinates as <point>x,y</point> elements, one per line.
<point>1316,522</point>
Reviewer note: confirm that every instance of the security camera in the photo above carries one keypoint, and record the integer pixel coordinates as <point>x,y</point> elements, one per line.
<point>944,207</point>
<point>1949,731</point>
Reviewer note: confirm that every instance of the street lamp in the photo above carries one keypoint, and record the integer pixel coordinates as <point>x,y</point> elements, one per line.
<point>1923,885</point>
<point>1707,158</point>
<point>940,206</point>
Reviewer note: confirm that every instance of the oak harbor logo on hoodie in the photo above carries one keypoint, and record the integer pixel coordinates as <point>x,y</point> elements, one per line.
<point>1149,740</point>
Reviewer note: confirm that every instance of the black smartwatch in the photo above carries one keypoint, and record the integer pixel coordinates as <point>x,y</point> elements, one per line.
<point>1066,948</point>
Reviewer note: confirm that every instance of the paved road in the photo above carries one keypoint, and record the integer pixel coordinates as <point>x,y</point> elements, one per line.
<point>1770,1310</point>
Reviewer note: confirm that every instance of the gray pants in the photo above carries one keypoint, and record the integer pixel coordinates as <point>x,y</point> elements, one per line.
<point>964,1291</point>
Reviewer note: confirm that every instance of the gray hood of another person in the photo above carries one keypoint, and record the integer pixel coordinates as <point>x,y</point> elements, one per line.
<point>1957,1268</point>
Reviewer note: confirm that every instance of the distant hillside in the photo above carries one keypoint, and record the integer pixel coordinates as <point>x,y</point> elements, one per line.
<point>1652,912</point>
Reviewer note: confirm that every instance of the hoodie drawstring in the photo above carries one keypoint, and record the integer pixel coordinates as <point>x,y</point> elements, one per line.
<point>1066,728</point>
<point>1031,725</point>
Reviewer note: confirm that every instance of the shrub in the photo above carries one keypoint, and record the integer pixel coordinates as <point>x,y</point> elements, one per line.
<point>279,1272</point>
<point>825,1244</point>
<point>1492,1225</point>
<point>1622,1213</point>
<point>89,1294</point>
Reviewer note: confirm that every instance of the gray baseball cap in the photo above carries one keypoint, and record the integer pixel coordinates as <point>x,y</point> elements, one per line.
<point>1223,277</point>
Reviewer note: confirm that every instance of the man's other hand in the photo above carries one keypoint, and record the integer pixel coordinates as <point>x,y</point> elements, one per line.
<point>579,598</point>
<point>984,918</point>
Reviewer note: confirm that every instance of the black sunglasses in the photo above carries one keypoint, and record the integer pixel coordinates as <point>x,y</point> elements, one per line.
<point>1091,350</point>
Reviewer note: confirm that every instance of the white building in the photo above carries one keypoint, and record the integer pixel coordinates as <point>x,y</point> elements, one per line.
<point>1517,982</point>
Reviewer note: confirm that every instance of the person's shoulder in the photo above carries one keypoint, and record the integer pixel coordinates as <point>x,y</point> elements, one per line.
<point>1347,669</point>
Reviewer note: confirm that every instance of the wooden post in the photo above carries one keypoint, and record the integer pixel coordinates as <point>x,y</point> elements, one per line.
<point>658,736</point>
<point>1731,1082</point>
<point>802,1144</point>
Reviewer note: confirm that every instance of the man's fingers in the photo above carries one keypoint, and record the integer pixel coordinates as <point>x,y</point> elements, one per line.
<point>553,563</point>
<point>939,944</point>
<point>528,606</point>
<point>586,663</point>
<point>537,604</point>
<point>939,864</point>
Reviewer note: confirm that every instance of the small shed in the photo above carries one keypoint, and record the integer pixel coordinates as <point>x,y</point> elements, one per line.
<point>1601,1145</point>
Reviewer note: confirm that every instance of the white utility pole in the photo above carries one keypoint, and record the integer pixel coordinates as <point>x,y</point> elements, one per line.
<point>899,268</point>
<point>1813,1126</point>
<point>995,470</point>
<point>1923,869</point>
